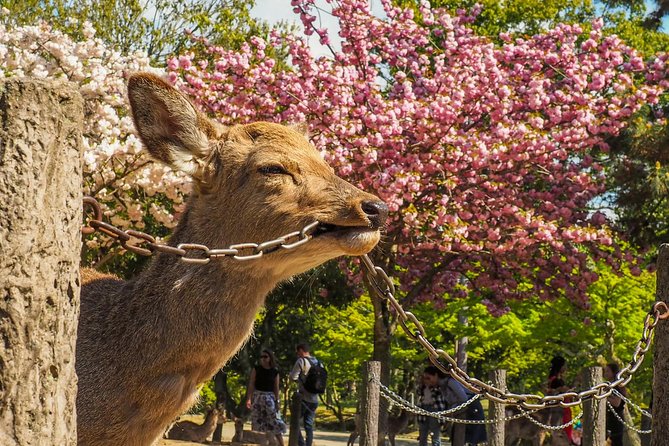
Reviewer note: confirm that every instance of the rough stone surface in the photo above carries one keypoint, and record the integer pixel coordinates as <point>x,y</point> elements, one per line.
<point>40,215</point>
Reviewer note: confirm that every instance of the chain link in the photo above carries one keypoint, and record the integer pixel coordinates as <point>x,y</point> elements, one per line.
<point>384,287</point>
<point>145,245</point>
<point>625,423</point>
<point>398,400</point>
<point>395,399</point>
<point>628,401</point>
<point>559,427</point>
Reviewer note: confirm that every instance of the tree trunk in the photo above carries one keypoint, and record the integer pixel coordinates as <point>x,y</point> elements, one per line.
<point>40,242</point>
<point>660,427</point>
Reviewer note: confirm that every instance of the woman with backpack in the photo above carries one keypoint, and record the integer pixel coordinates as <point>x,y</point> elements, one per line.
<point>262,397</point>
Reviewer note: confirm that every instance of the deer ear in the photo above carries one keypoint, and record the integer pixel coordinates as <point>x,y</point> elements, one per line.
<point>301,127</point>
<point>168,124</point>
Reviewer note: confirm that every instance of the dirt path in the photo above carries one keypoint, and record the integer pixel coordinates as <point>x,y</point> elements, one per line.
<point>321,438</point>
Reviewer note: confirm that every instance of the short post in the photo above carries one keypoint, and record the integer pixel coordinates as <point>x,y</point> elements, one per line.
<point>594,411</point>
<point>295,410</point>
<point>369,407</point>
<point>496,411</point>
<point>659,425</point>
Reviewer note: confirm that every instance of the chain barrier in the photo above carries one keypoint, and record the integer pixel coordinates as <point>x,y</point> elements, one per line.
<point>398,400</point>
<point>145,245</point>
<point>629,402</point>
<point>384,287</point>
<point>559,427</point>
<point>625,423</point>
<point>395,399</point>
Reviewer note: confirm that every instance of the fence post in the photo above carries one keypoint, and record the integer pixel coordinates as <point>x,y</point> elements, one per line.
<point>496,410</point>
<point>369,407</point>
<point>40,244</point>
<point>594,411</point>
<point>295,410</point>
<point>660,423</point>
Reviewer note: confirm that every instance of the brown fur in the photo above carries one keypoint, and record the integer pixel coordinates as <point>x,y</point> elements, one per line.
<point>144,346</point>
<point>522,429</point>
<point>396,425</point>
<point>251,437</point>
<point>190,431</point>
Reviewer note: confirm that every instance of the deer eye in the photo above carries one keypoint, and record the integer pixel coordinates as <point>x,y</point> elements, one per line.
<point>273,169</point>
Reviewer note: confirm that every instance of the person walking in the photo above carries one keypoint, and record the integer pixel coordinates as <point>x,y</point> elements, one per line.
<point>449,395</point>
<point>557,385</point>
<point>308,400</point>
<point>614,427</point>
<point>262,397</point>
<point>430,399</point>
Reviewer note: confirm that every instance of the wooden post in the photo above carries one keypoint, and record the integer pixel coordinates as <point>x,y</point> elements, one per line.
<point>295,411</point>
<point>660,423</point>
<point>40,244</point>
<point>369,407</point>
<point>496,411</point>
<point>594,411</point>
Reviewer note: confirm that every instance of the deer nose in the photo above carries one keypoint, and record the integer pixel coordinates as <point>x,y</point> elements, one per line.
<point>376,212</point>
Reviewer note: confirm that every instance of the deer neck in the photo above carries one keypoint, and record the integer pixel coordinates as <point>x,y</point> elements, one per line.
<point>201,312</point>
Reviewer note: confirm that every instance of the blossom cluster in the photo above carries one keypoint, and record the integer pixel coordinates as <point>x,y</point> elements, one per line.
<point>486,154</point>
<point>116,169</point>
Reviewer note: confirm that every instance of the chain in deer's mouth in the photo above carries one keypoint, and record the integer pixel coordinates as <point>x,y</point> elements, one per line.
<point>329,228</point>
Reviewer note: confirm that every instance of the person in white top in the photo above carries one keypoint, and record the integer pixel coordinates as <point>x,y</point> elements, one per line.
<point>309,401</point>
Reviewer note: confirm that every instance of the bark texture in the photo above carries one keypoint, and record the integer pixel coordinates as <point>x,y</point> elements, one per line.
<point>40,242</point>
<point>660,423</point>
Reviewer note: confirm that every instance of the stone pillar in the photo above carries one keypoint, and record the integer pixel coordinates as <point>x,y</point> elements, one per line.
<point>40,244</point>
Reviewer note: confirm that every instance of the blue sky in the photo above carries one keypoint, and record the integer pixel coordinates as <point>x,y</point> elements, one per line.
<point>274,11</point>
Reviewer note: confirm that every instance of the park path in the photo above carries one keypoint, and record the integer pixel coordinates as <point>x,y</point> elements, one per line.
<point>321,438</point>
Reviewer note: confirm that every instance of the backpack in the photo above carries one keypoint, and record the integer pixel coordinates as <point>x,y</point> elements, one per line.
<point>316,379</point>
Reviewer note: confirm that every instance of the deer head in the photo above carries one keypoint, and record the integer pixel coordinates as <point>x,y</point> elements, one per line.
<point>254,182</point>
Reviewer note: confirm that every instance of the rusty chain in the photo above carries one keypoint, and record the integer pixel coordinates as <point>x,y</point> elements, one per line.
<point>384,287</point>
<point>146,245</point>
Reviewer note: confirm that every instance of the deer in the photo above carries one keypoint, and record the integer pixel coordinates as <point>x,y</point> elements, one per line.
<point>190,431</point>
<point>145,345</point>
<point>522,429</point>
<point>396,424</point>
<point>251,437</point>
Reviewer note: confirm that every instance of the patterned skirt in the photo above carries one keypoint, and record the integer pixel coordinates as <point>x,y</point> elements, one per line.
<point>265,414</point>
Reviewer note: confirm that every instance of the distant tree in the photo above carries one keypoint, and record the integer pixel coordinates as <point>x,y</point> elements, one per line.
<point>157,27</point>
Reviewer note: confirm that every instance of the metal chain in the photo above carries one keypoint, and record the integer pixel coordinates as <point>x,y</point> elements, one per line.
<point>559,427</point>
<point>399,399</point>
<point>628,401</point>
<point>145,245</point>
<point>406,405</point>
<point>395,399</point>
<point>384,287</point>
<point>625,423</point>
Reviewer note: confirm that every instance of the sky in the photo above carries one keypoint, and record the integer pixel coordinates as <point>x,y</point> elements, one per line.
<point>274,11</point>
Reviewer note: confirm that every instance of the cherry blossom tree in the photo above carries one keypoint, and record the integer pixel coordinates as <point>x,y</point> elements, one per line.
<point>488,155</point>
<point>134,191</point>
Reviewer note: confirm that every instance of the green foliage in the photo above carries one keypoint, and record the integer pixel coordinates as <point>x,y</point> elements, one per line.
<point>206,400</point>
<point>524,17</point>
<point>155,26</point>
